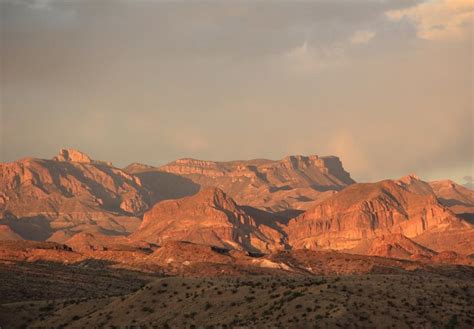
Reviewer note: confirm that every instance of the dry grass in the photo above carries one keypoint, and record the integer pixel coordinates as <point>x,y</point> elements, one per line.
<point>358,301</point>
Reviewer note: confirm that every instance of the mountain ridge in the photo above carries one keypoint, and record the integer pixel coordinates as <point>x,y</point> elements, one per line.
<point>256,206</point>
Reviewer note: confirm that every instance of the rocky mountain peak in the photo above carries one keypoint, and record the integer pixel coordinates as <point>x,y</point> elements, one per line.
<point>72,155</point>
<point>414,184</point>
<point>409,178</point>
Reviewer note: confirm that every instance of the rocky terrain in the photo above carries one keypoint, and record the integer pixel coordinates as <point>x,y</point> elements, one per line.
<point>209,217</point>
<point>95,208</point>
<point>457,198</point>
<point>365,211</point>
<point>69,194</point>
<point>206,235</point>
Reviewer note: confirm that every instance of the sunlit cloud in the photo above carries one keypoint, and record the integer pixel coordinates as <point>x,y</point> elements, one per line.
<point>224,82</point>
<point>438,20</point>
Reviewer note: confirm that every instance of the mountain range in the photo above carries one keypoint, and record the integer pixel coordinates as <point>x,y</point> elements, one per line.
<point>255,207</point>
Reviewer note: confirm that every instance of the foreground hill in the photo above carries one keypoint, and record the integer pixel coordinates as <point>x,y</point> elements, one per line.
<point>365,211</point>
<point>291,183</point>
<point>199,285</point>
<point>209,217</point>
<point>70,193</point>
<point>422,300</point>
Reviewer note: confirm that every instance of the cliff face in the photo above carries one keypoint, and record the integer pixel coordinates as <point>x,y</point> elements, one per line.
<point>366,211</point>
<point>209,218</point>
<point>291,183</point>
<point>65,194</point>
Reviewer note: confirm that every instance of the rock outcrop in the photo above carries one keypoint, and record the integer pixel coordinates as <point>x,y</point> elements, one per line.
<point>366,211</point>
<point>210,217</point>
<point>71,155</point>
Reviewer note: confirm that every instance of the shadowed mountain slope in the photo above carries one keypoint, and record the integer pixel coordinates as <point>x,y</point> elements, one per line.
<point>457,198</point>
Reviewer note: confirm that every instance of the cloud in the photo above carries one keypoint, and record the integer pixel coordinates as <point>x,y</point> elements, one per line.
<point>362,37</point>
<point>235,80</point>
<point>439,20</point>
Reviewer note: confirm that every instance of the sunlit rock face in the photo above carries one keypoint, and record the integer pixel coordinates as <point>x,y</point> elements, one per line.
<point>210,217</point>
<point>69,193</point>
<point>72,155</point>
<point>360,212</point>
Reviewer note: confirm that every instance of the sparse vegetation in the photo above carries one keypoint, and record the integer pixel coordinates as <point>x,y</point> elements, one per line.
<point>341,302</point>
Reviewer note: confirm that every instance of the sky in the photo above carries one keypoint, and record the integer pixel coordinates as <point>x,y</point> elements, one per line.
<point>385,85</point>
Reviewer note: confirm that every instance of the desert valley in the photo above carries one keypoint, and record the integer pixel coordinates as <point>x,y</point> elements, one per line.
<point>237,164</point>
<point>259,243</point>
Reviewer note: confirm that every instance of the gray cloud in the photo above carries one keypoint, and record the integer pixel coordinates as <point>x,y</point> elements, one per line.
<point>152,81</point>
